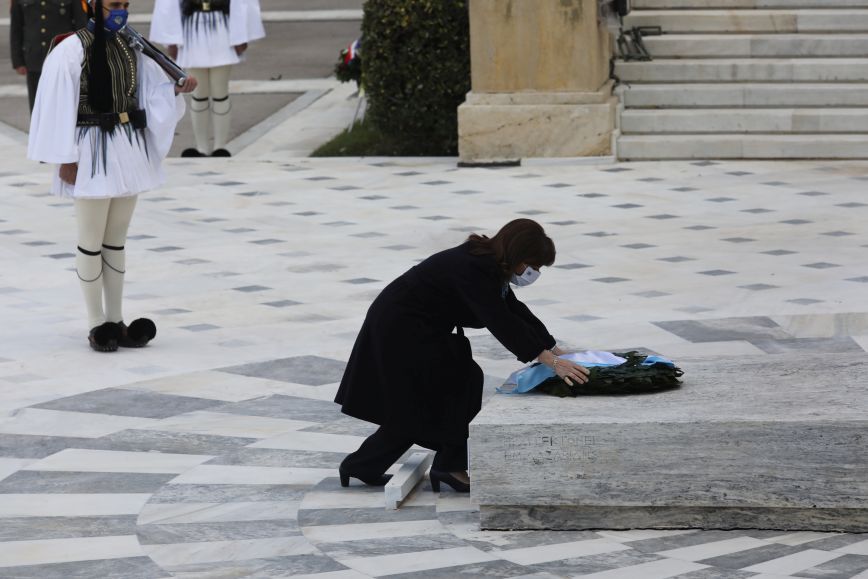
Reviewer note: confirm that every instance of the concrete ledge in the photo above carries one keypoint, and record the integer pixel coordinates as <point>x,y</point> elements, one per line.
<point>406,479</point>
<point>772,442</point>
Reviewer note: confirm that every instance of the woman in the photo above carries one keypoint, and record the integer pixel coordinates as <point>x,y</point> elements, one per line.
<point>208,37</point>
<point>413,376</point>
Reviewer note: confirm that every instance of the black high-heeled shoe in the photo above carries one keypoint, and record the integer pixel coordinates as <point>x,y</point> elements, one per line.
<point>438,476</point>
<point>371,481</point>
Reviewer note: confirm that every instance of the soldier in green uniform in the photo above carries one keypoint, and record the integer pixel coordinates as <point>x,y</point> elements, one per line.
<point>33,24</point>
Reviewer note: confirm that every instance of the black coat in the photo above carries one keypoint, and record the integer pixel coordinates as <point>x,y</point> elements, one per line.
<point>409,371</point>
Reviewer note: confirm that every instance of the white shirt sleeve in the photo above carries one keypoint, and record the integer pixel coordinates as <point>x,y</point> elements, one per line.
<point>166,26</point>
<point>164,108</point>
<point>245,22</point>
<point>55,112</point>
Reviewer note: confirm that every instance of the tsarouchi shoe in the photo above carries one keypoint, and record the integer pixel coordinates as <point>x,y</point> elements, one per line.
<point>105,337</point>
<point>137,334</point>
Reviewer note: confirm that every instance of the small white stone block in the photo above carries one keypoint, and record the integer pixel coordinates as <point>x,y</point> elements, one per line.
<point>407,477</point>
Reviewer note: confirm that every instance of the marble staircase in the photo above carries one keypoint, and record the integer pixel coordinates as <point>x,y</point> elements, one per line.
<point>752,79</point>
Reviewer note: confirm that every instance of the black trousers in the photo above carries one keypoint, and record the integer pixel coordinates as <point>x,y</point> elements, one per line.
<point>32,85</point>
<point>380,451</point>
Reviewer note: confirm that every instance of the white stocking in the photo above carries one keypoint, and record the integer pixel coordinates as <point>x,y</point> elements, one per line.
<point>220,104</point>
<point>91,215</point>
<point>200,110</point>
<point>114,256</point>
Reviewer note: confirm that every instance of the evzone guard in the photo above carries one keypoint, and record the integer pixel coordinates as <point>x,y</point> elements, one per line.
<point>208,37</point>
<point>106,114</point>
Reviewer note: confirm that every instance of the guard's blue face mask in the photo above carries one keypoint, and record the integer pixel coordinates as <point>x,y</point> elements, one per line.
<point>116,20</point>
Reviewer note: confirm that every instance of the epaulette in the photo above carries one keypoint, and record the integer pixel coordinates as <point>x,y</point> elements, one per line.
<point>58,39</point>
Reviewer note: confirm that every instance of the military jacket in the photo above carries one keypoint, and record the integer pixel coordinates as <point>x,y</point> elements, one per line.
<point>34,23</point>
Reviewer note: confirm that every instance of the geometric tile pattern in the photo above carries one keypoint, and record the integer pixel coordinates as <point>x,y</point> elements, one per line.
<point>212,452</point>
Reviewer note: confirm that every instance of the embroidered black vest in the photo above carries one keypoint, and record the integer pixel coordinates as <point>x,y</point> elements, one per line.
<point>122,68</point>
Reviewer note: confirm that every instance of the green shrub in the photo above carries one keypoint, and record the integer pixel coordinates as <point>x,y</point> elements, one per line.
<point>416,68</point>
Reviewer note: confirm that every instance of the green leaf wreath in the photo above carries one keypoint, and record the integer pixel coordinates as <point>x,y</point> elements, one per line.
<point>631,377</point>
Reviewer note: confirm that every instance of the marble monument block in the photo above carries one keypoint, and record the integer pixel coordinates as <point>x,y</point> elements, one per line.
<point>768,442</point>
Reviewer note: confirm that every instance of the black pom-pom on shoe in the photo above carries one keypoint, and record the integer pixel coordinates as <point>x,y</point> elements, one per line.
<point>221,153</point>
<point>105,337</point>
<point>138,333</point>
<point>191,152</point>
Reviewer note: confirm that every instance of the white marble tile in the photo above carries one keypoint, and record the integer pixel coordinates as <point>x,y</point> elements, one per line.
<point>225,424</point>
<point>178,554</point>
<point>345,574</point>
<point>800,538</point>
<point>252,475</point>
<point>792,564</point>
<point>81,460</point>
<point>42,422</point>
<point>653,570</point>
<point>640,534</point>
<point>10,466</point>
<point>172,513</point>
<point>347,499</point>
<point>361,531</point>
<point>860,548</point>
<point>715,549</point>
<point>451,502</point>
<point>41,552</point>
<point>417,561</point>
<point>315,441</point>
<point>70,504</point>
<point>558,551</point>
<point>210,384</point>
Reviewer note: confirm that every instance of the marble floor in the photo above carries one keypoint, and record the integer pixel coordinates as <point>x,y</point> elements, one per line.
<point>212,453</point>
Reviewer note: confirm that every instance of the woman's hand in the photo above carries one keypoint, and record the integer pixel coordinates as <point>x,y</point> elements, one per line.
<point>569,371</point>
<point>69,172</point>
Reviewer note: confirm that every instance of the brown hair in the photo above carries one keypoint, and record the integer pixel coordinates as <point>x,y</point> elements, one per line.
<point>519,241</point>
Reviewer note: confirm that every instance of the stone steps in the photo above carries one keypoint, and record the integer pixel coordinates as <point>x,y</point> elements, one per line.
<point>756,79</point>
<point>686,21</point>
<point>781,121</point>
<point>738,146</point>
<point>753,95</point>
<point>757,45</point>
<point>744,70</point>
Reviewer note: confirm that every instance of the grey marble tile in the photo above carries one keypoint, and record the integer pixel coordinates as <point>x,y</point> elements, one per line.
<point>391,545</point>
<point>843,567</point>
<point>309,370</point>
<point>723,329</point>
<point>524,539</point>
<point>131,568</point>
<point>259,568</point>
<point>319,517</point>
<point>172,442</point>
<point>595,563</point>
<point>345,425</point>
<point>836,542</point>
<point>279,458</point>
<point>750,557</point>
<point>826,345</point>
<point>712,573</point>
<point>33,446</point>
<point>224,531</point>
<point>33,528</point>
<point>487,569</point>
<point>685,540</point>
<point>291,407</point>
<point>228,493</point>
<point>129,403</point>
<point>34,481</point>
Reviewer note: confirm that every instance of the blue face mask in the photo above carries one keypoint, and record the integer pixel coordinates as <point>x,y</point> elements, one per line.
<point>116,20</point>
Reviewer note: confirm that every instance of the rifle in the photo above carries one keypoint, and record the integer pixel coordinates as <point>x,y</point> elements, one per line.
<point>138,42</point>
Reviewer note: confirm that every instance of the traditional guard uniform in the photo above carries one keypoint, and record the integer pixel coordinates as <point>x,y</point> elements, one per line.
<point>112,111</point>
<point>210,36</point>
<point>32,25</point>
